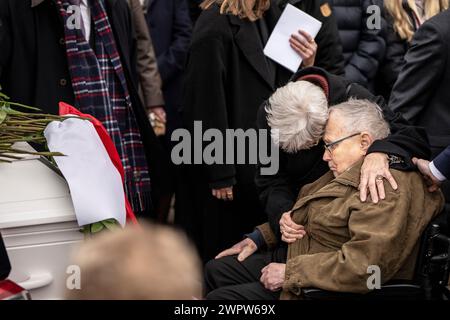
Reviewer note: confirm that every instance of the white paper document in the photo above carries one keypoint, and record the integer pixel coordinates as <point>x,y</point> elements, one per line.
<point>94,182</point>
<point>278,47</point>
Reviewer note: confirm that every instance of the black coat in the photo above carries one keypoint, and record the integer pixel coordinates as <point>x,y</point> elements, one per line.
<point>363,48</point>
<point>171,28</point>
<point>278,192</point>
<point>194,9</point>
<point>394,58</point>
<point>227,78</point>
<point>34,69</point>
<point>329,48</point>
<point>422,91</point>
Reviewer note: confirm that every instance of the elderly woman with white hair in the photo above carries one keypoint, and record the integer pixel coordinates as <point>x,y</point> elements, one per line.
<point>298,112</point>
<point>340,236</point>
<point>227,78</point>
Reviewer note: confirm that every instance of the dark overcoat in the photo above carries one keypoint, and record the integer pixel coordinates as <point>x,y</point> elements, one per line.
<point>227,78</point>
<point>421,92</point>
<point>171,29</point>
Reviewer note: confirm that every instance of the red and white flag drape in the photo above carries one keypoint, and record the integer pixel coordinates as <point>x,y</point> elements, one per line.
<point>91,167</point>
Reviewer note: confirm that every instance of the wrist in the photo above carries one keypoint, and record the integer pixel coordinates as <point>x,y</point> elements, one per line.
<point>435,172</point>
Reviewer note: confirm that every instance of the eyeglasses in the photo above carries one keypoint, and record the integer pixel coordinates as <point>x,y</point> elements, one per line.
<point>332,145</point>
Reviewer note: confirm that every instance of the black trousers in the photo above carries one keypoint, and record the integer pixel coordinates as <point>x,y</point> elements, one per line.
<point>229,279</point>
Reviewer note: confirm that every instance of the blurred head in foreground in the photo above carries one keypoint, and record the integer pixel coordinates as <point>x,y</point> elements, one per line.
<point>147,263</point>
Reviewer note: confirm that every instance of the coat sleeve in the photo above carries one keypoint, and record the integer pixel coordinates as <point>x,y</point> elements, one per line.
<point>5,37</point>
<point>421,73</point>
<point>363,65</point>
<point>147,67</point>
<point>172,61</point>
<point>206,100</point>
<point>270,239</point>
<point>329,46</point>
<point>275,191</point>
<point>442,162</point>
<point>406,141</point>
<point>377,237</point>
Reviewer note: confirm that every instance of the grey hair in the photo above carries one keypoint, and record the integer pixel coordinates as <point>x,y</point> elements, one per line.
<point>362,115</point>
<point>297,114</point>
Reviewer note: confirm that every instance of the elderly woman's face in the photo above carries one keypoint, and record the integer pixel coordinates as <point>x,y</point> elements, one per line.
<point>343,149</point>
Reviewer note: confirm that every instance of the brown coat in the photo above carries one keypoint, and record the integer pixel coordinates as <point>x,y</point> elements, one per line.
<point>345,236</point>
<point>149,77</point>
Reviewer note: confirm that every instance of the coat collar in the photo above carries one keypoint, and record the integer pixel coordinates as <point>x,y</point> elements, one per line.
<point>247,39</point>
<point>35,3</point>
<point>352,176</point>
<point>337,86</point>
<point>328,186</point>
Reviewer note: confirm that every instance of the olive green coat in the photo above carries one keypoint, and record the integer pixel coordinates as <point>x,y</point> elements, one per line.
<point>345,236</point>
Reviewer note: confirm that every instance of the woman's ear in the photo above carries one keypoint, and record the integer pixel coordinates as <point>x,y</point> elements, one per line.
<point>366,141</point>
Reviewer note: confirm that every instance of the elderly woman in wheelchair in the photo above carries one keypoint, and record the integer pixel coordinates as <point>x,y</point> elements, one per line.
<point>330,239</point>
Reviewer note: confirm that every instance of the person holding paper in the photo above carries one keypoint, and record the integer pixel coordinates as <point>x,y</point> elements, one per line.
<point>305,46</point>
<point>227,79</point>
<point>328,45</point>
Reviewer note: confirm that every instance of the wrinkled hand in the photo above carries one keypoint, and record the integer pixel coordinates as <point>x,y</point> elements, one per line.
<point>375,165</point>
<point>305,46</point>
<point>272,276</point>
<point>160,113</point>
<point>223,194</point>
<point>424,168</point>
<point>244,249</point>
<point>290,231</point>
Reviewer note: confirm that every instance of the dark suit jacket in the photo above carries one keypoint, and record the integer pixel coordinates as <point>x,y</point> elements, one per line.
<point>422,91</point>
<point>396,49</point>
<point>171,28</point>
<point>442,162</point>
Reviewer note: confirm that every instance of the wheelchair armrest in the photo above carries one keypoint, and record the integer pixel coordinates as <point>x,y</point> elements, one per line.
<point>387,291</point>
<point>319,294</point>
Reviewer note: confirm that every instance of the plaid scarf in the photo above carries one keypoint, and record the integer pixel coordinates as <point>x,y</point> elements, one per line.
<point>101,90</point>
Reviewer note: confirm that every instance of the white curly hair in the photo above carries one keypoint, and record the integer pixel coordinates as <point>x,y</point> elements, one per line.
<point>297,114</point>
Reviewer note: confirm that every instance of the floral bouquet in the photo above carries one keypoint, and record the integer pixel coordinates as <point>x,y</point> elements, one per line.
<point>21,126</point>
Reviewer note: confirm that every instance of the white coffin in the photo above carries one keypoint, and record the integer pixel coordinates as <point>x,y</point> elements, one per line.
<point>38,225</point>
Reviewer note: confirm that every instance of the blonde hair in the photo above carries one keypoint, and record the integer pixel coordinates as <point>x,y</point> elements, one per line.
<point>402,23</point>
<point>149,263</point>
<point>297,114</point>
<point>250,9</point>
